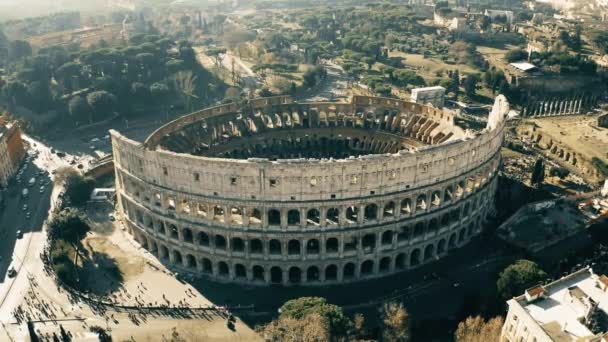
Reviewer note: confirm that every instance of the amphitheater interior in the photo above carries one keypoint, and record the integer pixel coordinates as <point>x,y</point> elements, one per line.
<point>273,191</point>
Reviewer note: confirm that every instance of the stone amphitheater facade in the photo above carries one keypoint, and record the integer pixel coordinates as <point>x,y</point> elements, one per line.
<point>274,191</point>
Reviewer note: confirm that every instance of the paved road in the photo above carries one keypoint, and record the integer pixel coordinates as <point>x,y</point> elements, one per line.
<point>23,254</point>
<point>334,87</point>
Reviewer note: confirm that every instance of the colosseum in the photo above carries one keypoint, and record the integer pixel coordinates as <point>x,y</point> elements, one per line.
<point>273,191</point>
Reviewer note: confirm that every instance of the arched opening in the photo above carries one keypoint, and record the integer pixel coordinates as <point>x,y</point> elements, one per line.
<point>187,234</point>
<point>385,264</point>
<point>237,244</point>
<point>331,272</point>
<point>441,246</point>
<point>177,258</point>
<point>433,226</point>
<point>173,232</point>
<point>404,234</point>
<point>332,216</point>
<point>274,247</point>
<point>293,217</point>
<point>429,252</point>
<point>274,217</point>
<point>369,242</point>
<point>312,274</point>
<point>190,261</point>
<point>367,267</point>
<point>445,220</point>
<point>349,271</point>
<point>313,217</point>
<point>201,210</point>
<point>350,244</point>
<point>258,273</point>
<point>352,213</point>
<point>331,245</point>
<point>293,247</point>
<point>421,202</point>
<point>389,210</point>
<point>415,257</point>
<point>419,229</point>
<point>222,269</point>
<point>406,206</point>
<point>448,194</point>
<point>256,246</point>
<point>387,237</point>
<point>295,275</point>
<point>255,216</point>
<point>236,215</point>
<point>461,235</point>
<point>161,227</point>
<point>400,261</point>
<point>218,213</point>
<point>455,215</point>
<point>276,275</point>
<point>164,252</point>
<point>220,242</point>
<point>452,241</point>
<point>203,239</point>
<point>207,266</point>
<point>371,212</point>
<point>460,188</point>
<point>465,210</point>
<point>154,248</point>
<point>240,271</point>
<point>312,246</point>
<point>435,199</point>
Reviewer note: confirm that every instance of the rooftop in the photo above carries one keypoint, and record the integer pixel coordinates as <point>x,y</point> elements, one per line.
<point>428,88</point>
<point>565,303</point>
<point>523,66</point>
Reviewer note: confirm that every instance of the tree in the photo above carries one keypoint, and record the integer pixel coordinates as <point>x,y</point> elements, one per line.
<point>477,329</point>
<point>70,226</point>
<point>185,83</point>
<point>18,49</point>
<point>470,84</point>
<point>302,307</point>
<point>538,173</point>
<point>359,326</point>
<point>516,55</point>
<point>79,188</point>
<point>516,278</point>
<point>78,107</point>
<point>395,321</point>
<point>312,328</point>
<point>102,104</point>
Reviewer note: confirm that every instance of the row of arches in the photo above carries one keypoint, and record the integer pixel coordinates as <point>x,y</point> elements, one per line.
<point>365,242</point>
<point>345,215</point>
<point>305,274</point>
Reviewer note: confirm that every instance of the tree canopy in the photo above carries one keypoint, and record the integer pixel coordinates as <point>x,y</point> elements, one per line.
<point>477,329</point>
<point>69,225</point>
<point>78,188</point>
<point>518,277</point>
<point>303,307</point>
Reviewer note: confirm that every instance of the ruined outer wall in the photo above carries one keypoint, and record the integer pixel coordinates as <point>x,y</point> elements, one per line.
<point>307,221</point>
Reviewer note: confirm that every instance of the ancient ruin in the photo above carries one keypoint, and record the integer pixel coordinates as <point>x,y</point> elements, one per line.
<point>274,191</point>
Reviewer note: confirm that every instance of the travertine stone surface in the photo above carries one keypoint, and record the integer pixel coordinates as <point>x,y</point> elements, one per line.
<point>303,220</point>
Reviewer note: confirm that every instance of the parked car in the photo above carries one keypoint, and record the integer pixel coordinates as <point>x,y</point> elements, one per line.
<point>19,234</point>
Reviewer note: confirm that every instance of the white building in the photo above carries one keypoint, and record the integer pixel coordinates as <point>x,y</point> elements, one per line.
<point>433,95</point>
<point>564,310</point>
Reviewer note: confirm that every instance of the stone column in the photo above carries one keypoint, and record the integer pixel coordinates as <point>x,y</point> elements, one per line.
<point>323,217</point>
<point>303,220</point>
<point>283,218</point>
